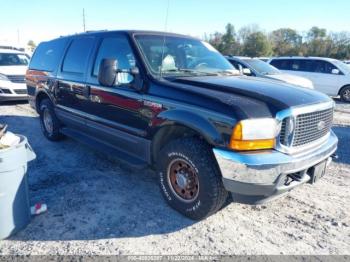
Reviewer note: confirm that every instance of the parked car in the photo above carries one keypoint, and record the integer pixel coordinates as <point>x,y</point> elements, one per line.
<point>256,67</point>
<point>171,102</point>
<point>263,58</point>
<point>13,65</point>
<point>329,76</point>
<point>347,62</point>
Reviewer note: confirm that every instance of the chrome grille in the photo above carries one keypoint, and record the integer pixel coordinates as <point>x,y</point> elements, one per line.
<point>21,91</point>
<point>309,127</point>
<point>283,136</point>
<point>16,78</point>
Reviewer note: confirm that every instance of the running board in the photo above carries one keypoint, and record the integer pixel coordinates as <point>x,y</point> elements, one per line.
<point>101,146</point>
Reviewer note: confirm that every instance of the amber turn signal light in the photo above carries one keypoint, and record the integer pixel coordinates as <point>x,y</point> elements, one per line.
<point>238,142</point>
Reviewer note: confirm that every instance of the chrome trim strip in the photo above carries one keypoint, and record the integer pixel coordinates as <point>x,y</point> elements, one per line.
<point>293,112</point>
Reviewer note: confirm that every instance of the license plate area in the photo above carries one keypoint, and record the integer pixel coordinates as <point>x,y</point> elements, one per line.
<point>317,172</point>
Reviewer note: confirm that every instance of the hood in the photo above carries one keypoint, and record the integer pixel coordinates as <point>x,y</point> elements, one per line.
<point>292,79</point>
<point>13,70</point>
<point>275,95</point>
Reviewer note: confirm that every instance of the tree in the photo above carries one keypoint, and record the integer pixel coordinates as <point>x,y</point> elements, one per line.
<point>257,45</point>
<point>316,33</point>
<point>229,44</point>
<point>341,45</point>
<point>246,31</point>
<point>31,43</point>
<point>215,40</point>
<point>318,43</point>
<point>286,42</point>
<point>226,43</point>
<point>251,41</point>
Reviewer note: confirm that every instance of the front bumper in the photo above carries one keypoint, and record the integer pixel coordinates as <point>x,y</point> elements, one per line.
<point>12,97</point>
<point>255,177</point>
<point>12,91</point>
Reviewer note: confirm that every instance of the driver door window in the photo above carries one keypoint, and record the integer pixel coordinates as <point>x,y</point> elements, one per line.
<point>116,47</point>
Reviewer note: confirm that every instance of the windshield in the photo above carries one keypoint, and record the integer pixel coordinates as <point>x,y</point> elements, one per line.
<point>262,67</point>
<point>181,56</point>
<point>342,66</point>
<point>9,59</point>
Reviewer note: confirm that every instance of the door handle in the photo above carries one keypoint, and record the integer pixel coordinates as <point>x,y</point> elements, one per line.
<point>86,91</point>
<point>55,88</point>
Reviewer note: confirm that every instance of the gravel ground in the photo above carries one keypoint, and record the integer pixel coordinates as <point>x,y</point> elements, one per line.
<point>95,206</point>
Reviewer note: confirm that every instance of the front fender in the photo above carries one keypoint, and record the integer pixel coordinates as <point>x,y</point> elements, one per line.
<point>39,95</point>
<point>203,125</point>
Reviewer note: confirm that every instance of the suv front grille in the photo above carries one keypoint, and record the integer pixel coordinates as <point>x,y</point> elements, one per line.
<point>16,78</point>
<point>309,127</point>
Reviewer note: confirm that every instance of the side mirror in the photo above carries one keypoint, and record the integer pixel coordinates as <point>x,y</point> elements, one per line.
<point>247,72</point>
<point>335,71</point>
<point>107,73</point>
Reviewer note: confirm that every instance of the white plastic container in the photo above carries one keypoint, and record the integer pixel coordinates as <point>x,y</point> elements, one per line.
<point>14,193</point>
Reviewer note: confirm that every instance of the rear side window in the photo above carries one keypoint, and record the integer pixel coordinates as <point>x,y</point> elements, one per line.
<point>47,55</point>
<point>77,55</point>
<point>282,64</point>
<point>306,65</point>
<point>116,47</point>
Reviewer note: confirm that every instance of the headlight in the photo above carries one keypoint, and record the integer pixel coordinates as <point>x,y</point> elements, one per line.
<point>255,134</point>
<point>310,85</point>
<point>3,77</point>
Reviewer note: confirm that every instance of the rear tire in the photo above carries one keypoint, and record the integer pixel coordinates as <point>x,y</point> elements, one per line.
<point>189,178</point>
<point>50,125</point>
<point>345,94</point>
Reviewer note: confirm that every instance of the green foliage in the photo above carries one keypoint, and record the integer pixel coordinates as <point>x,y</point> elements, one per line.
<point>226,43</point>
<point>257,45</point>
<point>251,41</point>
<point>31,44</point>
<point>286,42</point>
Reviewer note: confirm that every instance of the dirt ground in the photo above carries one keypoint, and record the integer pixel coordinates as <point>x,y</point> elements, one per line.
<point>95,206</point>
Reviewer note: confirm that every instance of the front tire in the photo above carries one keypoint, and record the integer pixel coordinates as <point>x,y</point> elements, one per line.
<point>50,125</point>
<point>189,178</point>
<point>345,94</point>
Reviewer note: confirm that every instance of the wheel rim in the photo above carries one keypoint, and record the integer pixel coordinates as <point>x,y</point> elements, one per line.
<point>183,180</point>
<point>47,119</point>
<point>346,94</point>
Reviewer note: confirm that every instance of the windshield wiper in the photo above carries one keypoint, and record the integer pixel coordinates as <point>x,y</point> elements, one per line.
<point>228,73</point>
<point>191,71</point>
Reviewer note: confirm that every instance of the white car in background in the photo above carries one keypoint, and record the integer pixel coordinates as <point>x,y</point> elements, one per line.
<point>258,68</point>
<point>329,76</point>
<point>13,66</point>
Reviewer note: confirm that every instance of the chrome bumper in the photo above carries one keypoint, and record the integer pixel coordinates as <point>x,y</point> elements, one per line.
<point>259,173</point>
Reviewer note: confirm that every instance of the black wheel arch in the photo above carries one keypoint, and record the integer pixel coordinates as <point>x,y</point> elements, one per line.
<point>342,88</point>
<point>184,124</point>
<point>39,97</point>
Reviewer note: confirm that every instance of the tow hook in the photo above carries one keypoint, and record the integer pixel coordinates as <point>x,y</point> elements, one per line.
<point>294,177</point>
<point>331,158</point>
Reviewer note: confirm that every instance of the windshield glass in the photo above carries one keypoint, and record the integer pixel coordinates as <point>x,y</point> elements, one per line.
<point>342,66</point>
<point>262,67</point>
<point>179,56</point>
<point>9,59</point>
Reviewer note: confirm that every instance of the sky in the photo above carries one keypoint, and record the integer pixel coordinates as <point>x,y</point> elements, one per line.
<point>41,20</point>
